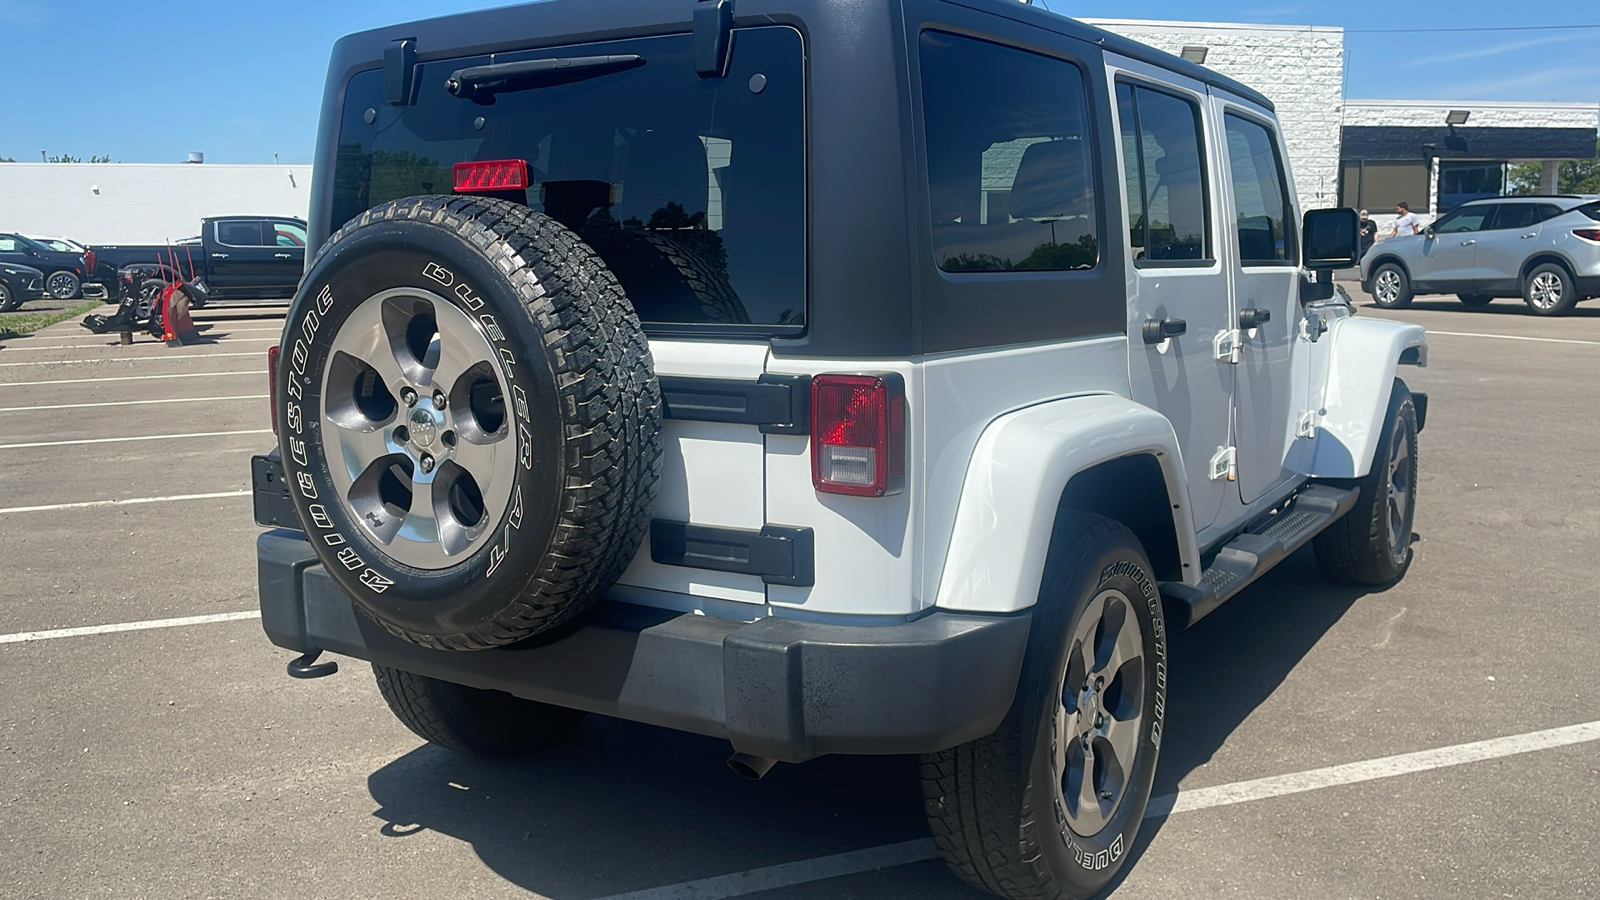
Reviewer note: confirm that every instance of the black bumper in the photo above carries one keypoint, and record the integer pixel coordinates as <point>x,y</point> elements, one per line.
<point>776,687</point>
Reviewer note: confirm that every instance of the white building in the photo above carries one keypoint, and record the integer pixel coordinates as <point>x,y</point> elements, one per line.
<point>116,203</point>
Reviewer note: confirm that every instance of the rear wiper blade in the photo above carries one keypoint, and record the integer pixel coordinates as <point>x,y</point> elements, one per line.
<point>480,83</point>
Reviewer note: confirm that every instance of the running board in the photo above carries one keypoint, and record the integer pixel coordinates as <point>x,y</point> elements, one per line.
<point>1248,556</point>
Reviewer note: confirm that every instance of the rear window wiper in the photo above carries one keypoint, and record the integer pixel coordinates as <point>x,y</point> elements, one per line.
<point>480,83</point>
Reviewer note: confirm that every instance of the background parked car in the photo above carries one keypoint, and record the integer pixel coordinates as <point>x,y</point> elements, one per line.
<point>64,271</point>
<point>18,285</point>
<point>235,258</point>
<point>1545,250</point>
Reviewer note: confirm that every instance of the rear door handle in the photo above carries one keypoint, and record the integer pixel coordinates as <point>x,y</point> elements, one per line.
<point>219,256</point>
<point>1468,243</point>
<point>1253,318</point>
<point>1157,330</point>
<point>283,256</point>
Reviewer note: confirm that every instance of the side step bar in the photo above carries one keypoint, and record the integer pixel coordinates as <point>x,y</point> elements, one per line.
<point>1246,557</point>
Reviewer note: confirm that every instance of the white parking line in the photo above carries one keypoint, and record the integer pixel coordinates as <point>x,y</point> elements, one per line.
<point>141,437</point>
<point>25,636</point>
<point>68,362</point>
<point>6,409</point>
<point>1515,337</point>
<point>133,501</point>
<point>856,861</point>
<point>92,346</point>
<point>6,384</point>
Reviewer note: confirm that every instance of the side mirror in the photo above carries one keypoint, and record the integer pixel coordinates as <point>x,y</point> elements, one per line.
<point>1330,239</point>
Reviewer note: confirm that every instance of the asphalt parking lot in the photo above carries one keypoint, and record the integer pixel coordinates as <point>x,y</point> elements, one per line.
<point>180,761</point>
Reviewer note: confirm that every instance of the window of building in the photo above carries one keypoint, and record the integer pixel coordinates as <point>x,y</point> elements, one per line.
<point>1260,194</point>
<point>1010,164</point>
<point>1166,182</point>
<point>1378,185</point>
<point>1462,182</point>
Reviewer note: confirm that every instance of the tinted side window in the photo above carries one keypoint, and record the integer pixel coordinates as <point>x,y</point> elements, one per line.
<point>1517,215</point>
<point>240,234</point>
<point>288,234</point>
<point>1167,190</point>
<point>1010,165</point>
<point>1260,194</point>
<point>1468,218</point>
<point>1547,211</point>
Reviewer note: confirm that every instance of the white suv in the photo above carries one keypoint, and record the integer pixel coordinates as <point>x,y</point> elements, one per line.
<point>827,378</point>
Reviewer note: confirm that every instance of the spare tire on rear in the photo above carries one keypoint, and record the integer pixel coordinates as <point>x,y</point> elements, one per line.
<point>469,420</point>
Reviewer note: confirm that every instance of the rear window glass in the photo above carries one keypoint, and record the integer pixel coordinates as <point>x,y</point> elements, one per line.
<point>1010,166</point>
<point>1591,210</point>
<point>692,190</point>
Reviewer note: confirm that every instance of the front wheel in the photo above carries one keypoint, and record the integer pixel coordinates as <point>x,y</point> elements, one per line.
<point>1549,291</point>
<point>1049,805</point>
<point>1371,544</point>
<point>1391,287</point>
<point>470,720</point>
<point>8,300</point>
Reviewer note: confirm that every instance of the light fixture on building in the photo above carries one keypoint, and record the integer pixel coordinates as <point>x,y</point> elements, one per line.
<point>1457,116</point>
<point>1194,54</point>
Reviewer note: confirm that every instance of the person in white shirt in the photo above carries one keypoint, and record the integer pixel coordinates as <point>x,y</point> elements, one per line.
<point>1408,223</point>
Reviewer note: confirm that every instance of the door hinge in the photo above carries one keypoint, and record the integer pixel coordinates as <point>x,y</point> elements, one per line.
<point>1225,465</point>
<point>1227,346</point>
<point>1307,426</point>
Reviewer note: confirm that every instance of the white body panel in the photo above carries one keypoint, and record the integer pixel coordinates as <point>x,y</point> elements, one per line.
<point>1014,483</point>
<point>1364,356</point>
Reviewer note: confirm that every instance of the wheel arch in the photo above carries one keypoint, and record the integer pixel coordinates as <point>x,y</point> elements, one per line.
<point>1102,454</point>
<point>1384,258</point>
<point>1365,357</point>
<point>1539,259</point>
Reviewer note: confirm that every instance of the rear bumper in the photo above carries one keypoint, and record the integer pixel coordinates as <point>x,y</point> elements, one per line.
<point>775,687</point>
<point>1587,285</point>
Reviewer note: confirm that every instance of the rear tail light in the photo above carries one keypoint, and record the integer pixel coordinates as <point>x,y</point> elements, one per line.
<point>1588,234</point>
<point>858,434</point>
<point>88,261</point>
<point>272,384</point>
<point>491,175</point>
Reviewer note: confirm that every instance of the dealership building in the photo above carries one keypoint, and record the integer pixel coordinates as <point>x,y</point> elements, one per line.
<point>1362,153</point>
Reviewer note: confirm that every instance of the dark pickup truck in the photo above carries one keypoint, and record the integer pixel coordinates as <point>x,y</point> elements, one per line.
<point>234,258</point>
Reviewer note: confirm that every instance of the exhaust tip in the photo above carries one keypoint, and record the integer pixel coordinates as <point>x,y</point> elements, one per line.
<point>751,767</point>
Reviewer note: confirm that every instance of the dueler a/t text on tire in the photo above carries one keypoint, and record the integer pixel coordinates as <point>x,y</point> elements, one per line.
<point>469,420</point>
<point>1049,805</point>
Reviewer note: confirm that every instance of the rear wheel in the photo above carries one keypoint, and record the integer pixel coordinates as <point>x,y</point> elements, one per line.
<point>1049,805</point>
<point>1391,287</point>
<point>1549,291</point>
<point>63,285</point>
<point>469,720</point>
<point>1474,301</point>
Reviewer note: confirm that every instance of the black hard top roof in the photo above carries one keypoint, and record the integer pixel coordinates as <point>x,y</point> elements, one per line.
<point>581,19</point>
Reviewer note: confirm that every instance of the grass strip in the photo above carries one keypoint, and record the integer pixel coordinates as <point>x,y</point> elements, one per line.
<point>15,325</point>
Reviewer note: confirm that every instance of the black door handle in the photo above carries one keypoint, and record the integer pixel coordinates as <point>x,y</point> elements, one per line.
<point>1157,330</point>
<point>1254,318</point>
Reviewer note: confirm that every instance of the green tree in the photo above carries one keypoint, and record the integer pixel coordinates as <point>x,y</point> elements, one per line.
<point>1575,176</point>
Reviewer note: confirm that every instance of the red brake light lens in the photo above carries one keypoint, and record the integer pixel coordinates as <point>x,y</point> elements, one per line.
<point>858,434</point>
<point>272,384</point>
<point>1588,234</point>
<point>491,175</point>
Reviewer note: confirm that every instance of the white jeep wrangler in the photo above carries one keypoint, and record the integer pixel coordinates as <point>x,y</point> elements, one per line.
<point>829,376</point>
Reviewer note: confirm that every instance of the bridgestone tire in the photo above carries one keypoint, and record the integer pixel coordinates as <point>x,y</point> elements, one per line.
<point>1475,301</point>
<point>1401,298</point>
<point>565,363</point>
<point>682,286</point>
<point>8,301</point>
<point>1549,291</point>
<point>469,720</point>
<point>1361,547</point>
<point>996,813</point>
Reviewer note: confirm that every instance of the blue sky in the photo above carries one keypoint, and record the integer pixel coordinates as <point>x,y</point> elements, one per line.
<point>148,82</point>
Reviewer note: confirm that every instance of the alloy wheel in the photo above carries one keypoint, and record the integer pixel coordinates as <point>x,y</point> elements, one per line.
<point>1545,291</point>
<point>1100,714</point>
<point>1400,490</point>
<point>415,421</point>
<point>1387,288</point>
<point>62,285</point>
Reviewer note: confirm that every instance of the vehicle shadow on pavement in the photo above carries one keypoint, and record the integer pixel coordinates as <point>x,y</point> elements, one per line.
<point>1233,660</point>
<point>1502,306</point>
<point>622,807</point>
